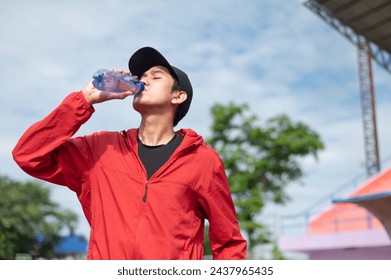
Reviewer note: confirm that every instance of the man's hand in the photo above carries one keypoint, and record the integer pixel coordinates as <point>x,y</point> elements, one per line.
<point>94,95</point>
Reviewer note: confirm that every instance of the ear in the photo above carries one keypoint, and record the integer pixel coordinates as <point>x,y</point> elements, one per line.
<point>179,97</point>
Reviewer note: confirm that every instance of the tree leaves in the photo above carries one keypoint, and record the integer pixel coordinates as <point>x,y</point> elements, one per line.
<point>260,161</point>
<point>29,221</point>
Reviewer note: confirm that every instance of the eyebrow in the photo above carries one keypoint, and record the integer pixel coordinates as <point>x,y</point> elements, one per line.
<point>154,72</point>
<point>157,71</point>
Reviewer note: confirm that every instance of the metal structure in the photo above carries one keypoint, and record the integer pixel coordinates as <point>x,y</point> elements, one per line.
<point>367,24</point>
<point>368,109</point>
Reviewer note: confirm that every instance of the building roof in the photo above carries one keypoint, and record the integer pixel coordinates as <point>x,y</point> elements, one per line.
<point>370,18</point>
<point>343,217</point>
<point>359,19</point>
<point>71,244</point>
<point>379,204</point>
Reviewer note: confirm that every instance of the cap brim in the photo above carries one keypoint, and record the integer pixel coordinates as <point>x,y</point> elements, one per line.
<point>148,57</point>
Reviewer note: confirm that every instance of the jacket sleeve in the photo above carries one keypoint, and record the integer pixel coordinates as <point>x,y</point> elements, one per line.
<point>45,150</point>
<point>226,241</point>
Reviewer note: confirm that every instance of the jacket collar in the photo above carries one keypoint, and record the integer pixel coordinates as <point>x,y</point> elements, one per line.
<point>190,138</point>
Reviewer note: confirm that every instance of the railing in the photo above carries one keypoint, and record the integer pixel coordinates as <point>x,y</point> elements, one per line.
<point>351,217</point>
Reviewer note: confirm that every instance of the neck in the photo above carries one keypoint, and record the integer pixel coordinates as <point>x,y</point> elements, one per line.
<point>154,133</point>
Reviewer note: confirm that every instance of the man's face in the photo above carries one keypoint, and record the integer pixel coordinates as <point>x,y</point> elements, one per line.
<point>157,92</point>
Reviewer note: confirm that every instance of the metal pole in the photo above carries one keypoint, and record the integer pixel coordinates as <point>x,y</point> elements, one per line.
<point>372,161</point>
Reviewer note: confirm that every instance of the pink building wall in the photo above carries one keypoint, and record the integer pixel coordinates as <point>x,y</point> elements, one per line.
<point>348,216</point>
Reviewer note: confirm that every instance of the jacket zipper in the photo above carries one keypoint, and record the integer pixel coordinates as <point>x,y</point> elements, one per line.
<point>145,191</point>
<point>146,183</point>
<point>145,196</point>
<point>169,162</point>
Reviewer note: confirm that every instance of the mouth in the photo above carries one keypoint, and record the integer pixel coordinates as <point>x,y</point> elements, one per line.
<point>139,93</point>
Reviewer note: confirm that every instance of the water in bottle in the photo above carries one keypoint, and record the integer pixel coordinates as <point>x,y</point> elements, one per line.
<point>112,81</point>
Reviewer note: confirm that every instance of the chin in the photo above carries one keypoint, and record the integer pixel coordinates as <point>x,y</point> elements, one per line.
<point>137,106</point>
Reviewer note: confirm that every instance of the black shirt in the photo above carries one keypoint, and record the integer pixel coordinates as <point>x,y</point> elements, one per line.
<point>153,157</point>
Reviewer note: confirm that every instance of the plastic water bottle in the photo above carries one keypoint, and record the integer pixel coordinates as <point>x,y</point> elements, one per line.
<point>112,81</point>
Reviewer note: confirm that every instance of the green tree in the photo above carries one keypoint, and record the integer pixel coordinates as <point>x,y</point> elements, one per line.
<point>29,221</point>
<point>260,161</point>
<point>207,249</point>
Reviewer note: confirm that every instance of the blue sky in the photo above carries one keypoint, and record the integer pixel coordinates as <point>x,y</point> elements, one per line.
<point>275,55</point>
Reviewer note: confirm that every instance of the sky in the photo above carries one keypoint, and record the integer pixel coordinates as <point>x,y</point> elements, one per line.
<point>275,55</point>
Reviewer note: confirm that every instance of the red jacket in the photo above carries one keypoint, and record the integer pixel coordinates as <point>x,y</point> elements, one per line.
<point>132,217</point>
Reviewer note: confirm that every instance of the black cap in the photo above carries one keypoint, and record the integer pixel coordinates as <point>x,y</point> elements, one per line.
<point>147,57</point>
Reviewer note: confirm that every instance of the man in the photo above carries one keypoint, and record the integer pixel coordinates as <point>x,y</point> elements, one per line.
<point>147,191</point>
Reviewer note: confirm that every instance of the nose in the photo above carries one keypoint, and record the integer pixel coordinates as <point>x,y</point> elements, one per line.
<point>144,80</point>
